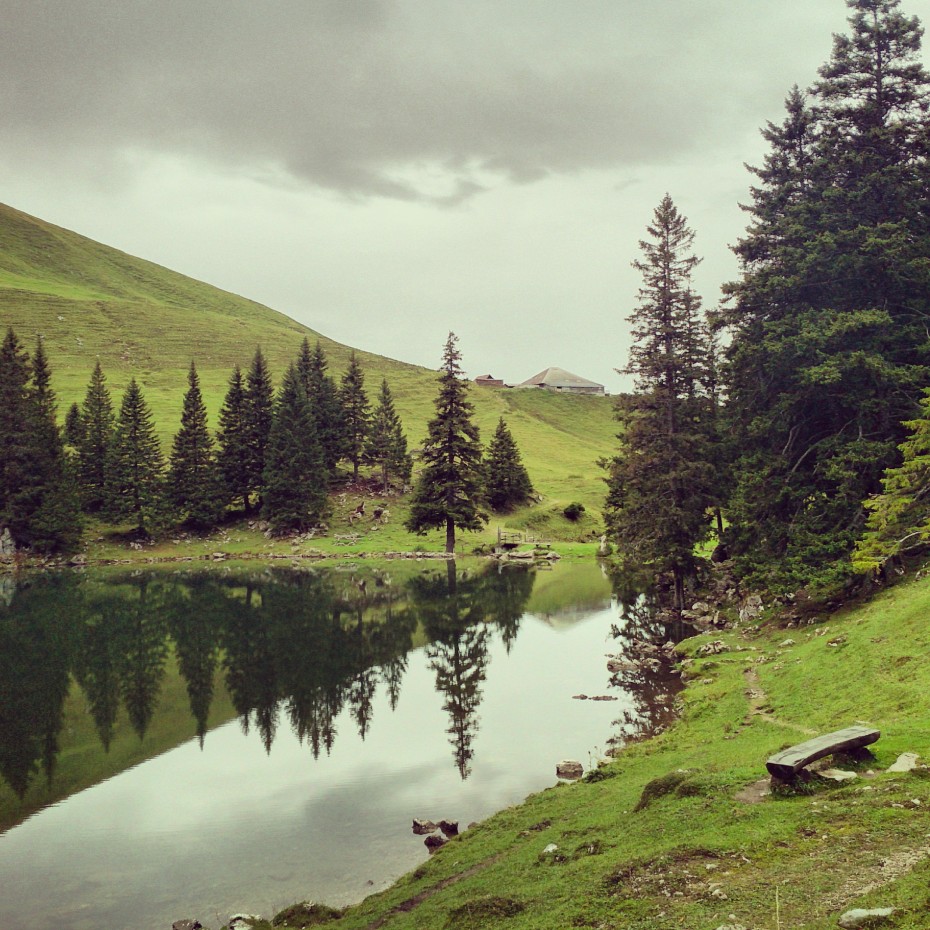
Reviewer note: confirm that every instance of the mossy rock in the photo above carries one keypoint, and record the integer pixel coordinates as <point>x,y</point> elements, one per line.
<point>659,787</point>
<point>472,915</point>
<point>300,916</point>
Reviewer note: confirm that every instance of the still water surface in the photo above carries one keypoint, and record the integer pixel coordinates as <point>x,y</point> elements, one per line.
<point>198,745</point>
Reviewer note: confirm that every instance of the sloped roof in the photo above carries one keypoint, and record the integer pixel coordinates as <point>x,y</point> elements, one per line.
<point>559,377</point>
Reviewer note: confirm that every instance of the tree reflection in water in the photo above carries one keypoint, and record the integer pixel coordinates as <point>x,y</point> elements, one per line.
<point>289,645</point>
<point>647,677</point>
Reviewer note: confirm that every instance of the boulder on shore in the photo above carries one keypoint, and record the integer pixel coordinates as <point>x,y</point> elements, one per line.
<point>569,769</point>
<point>861,917</point>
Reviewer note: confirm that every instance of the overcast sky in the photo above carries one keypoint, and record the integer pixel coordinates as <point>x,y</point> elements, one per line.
<point>388,170</point>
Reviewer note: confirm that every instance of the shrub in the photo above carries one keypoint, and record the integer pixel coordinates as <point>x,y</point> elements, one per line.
<point>573,511</point>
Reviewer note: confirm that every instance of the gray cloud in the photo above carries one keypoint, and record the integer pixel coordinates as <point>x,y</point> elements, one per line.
<point>404,99</point>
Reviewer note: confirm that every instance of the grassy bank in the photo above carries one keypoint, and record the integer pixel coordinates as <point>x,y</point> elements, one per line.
<point>680,832</point>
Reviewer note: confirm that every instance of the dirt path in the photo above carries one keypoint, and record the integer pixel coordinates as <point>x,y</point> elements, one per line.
<point>758,700</point>
<point>759,790</point>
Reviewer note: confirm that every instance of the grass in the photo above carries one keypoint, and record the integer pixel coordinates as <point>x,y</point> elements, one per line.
<point>661,840</point>
<point>89,301</point>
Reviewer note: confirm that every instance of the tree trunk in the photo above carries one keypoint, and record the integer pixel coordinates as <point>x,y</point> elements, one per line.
<point>679,590</point>
<point>450,535</point>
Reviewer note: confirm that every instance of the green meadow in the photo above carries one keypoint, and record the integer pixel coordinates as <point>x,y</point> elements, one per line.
<point>89,302</point>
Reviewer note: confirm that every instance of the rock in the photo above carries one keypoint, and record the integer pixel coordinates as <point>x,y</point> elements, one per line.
<point>433,842</point>
<point>187,925</point>
<point>621,665</point>
<point>219,556</point>
<point>731,927</point>
<point>906,762</point>
<point>449,827</point>
<point>569,769</point>
<point>699,608</point>
<point>712,649</point>
<point>786,644</point>
<point>422,827</point>
<point>550,849</point>
<point>838,774</point>
<point>242,921</point>
<point>7,546</point>
<point>860,917</point>
<point>751,608</point>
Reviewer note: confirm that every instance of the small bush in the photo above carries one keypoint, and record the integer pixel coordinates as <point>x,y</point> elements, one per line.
<point>475,913</point>
<point>573,511</point>
<point>659,787</point>
<point>598,774</point>
<point>301,916</point>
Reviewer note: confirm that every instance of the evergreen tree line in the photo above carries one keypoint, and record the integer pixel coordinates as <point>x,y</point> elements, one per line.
<point>273,453</point>
<point>795,429</point>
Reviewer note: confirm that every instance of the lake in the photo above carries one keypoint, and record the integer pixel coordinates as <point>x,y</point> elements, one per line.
<point>181,744</point>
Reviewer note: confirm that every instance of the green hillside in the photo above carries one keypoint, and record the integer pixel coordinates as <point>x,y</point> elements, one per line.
<point>90,301</point>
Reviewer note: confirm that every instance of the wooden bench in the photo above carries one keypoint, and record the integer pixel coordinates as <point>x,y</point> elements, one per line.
<point>787,763</point>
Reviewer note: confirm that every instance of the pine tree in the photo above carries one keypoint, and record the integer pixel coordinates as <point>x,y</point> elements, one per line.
<point>356,414</point>
<point>38,502</point>
<point>387,443</point>
<point>663,480</point>
<point>194,487</point>
<point>448,491</point>
<point>93,449</point>
<point>256,419</point>
<point>828,349</point>
<point>135,477</point>
<point>233,453</point>
<point>324,403</point>
<point>507,484</point>
<point>899,517</point>
<point>55,525</point>
<point>74,426</point>
<point>294,492</point>
<point>15,426</point>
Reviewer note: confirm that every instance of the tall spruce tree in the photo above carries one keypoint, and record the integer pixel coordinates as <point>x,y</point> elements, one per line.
<point>93,448</point>
<point>324,403</point>
<point>295,481</point>
<point>54,524</point>
<point>506,481</point>
<point>135,479</point>
<point>387,443</point>
<point>829,349</point>
<point>37,503</point>
<point>194,484</point>
<point>899,517</point>
<point>356,414</point>
<point>233,451</point>
<point>74,427</point>
<point>15,425</point>
<point>449,488</point>
<point>256,419</point>
<point>662,481</point>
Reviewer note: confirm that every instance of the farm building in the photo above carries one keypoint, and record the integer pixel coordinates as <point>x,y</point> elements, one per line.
<point>488,381</point>
<point>558,379</point>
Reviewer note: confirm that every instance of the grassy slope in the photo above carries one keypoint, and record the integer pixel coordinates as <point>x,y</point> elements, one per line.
<point>861,844</point>
<point>88,301</point>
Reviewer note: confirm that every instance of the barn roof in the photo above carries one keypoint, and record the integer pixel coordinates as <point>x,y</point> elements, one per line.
<point>559,377</point>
